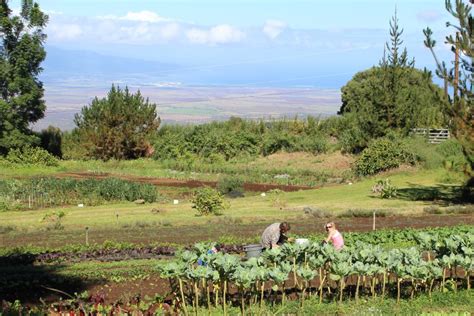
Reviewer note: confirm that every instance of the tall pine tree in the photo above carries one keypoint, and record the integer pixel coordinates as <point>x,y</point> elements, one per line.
<point>460,78</point>
<point>21,91</point>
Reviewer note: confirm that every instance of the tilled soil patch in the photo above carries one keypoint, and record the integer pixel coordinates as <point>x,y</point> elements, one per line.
<point>167,182</point>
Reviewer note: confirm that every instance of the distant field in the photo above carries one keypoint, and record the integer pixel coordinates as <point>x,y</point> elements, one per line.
<point>200,104</point>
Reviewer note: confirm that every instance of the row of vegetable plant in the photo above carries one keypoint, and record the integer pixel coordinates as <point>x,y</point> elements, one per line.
<point>313,269</point>
<point>46,192</point>
<point>117,251</point>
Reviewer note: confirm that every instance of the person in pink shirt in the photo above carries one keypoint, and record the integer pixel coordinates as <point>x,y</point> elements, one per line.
<point>334,236</point>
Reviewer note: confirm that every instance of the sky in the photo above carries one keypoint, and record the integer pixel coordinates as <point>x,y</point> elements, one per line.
<point>246,42</point>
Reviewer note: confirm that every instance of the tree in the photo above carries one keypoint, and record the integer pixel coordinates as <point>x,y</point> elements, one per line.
<point>118,126</point>
<point>21,55</point>
<point>460,78</point>
<point>51,140</point>
<point>391,96</point>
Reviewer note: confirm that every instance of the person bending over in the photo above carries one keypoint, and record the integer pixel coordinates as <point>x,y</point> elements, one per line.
<point>274,235</point>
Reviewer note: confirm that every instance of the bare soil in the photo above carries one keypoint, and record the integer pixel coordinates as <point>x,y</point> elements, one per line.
<point>219,227</point>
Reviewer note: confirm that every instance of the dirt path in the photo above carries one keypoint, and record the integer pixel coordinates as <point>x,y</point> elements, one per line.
<point>168,182</point>
<point>218,228</point>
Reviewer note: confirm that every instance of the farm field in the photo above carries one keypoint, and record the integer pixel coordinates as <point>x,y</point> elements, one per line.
<point>303,169</point>
<point>127,242</point>
<point>236,159</point>
<point>108,280</point>
<point>162,221</point>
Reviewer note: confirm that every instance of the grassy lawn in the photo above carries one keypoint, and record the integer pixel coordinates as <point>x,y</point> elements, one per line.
<point>335,199</point>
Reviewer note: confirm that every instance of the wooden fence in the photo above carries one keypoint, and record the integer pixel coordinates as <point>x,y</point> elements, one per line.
<point>433,135</point>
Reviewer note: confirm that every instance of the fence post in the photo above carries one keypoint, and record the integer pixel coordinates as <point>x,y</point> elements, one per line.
<point>373,221</point>
<point>87,236</point>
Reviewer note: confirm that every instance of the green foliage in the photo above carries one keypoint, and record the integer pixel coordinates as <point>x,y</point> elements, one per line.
<point>385,189</point>
<point>382,154</point>
<point>232,186</point>
<point>44,192</point>
<point>393,95</point>
<point>460,102</point>
<point>238,138</point>
<point>208,201</point>
<point>448,154</point>
<point>368,264</point>
<point>31,156</point>
<point>54,220</point>
<point>21,91</point>
<point>118,126</point>
<point>51,139</point>
<point>71,147</point>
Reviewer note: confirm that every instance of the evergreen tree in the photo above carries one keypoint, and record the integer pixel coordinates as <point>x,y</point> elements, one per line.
<point>21,55</point>
<point>118,126</point>
<point>392,96</point>
<point>460,77</point>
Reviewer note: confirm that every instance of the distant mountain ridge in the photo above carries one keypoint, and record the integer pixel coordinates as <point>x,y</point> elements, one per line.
<point>78,62</point>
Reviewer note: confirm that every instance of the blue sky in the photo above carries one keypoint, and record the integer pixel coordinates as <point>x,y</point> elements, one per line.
<point>245,41</point>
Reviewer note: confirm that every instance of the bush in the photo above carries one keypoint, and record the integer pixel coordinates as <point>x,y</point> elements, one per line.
<point>71,147</point>
<point>448,154</point>
<point>365,213</point>
<point>316,212</point>
<point>208,201</point>
<point>51,139</point>
<point>31,156</point>
<point>231,186</point>
<point>382,154</point>
<point>385,189</point>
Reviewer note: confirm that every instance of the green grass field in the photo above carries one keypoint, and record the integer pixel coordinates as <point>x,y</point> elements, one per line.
<point>335,199</point>
<point>244,218</point>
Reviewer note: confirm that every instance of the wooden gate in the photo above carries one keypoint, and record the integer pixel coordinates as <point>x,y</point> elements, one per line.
<point>433,135</point>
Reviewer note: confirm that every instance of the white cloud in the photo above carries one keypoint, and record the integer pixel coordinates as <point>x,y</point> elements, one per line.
<point>65,31</point>
<point>219,34</point>
<point>198,36</point>
<point>170,31</point>
<point>139,16</point>
<point>144,16</point>
<point>273,28</point>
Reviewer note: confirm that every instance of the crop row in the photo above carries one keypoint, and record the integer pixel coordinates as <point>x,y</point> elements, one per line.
<point>308,269</point>
<point>46,192</point>
<point>110,251</point>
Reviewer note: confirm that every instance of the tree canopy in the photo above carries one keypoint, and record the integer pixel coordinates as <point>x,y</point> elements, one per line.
<point>21,55</point>
<point>118,126</point>
<point>391,96</point>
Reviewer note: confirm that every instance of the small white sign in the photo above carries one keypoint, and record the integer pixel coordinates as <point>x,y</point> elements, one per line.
<point>80,205</point>
<point>175,202</point>
<point>263,194</point>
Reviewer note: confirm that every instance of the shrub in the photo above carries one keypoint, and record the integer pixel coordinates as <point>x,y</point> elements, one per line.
<point>31,156</point>
<point>51,139</point>
<point>364,213</point>
<point>448,154</point>
<point>385,189</point>
<point>316,212</point>
<point>231,186</point>
<point>277,198</point>
<point>208,201</point>
<point>54,220</point>
<point>382,154</point>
